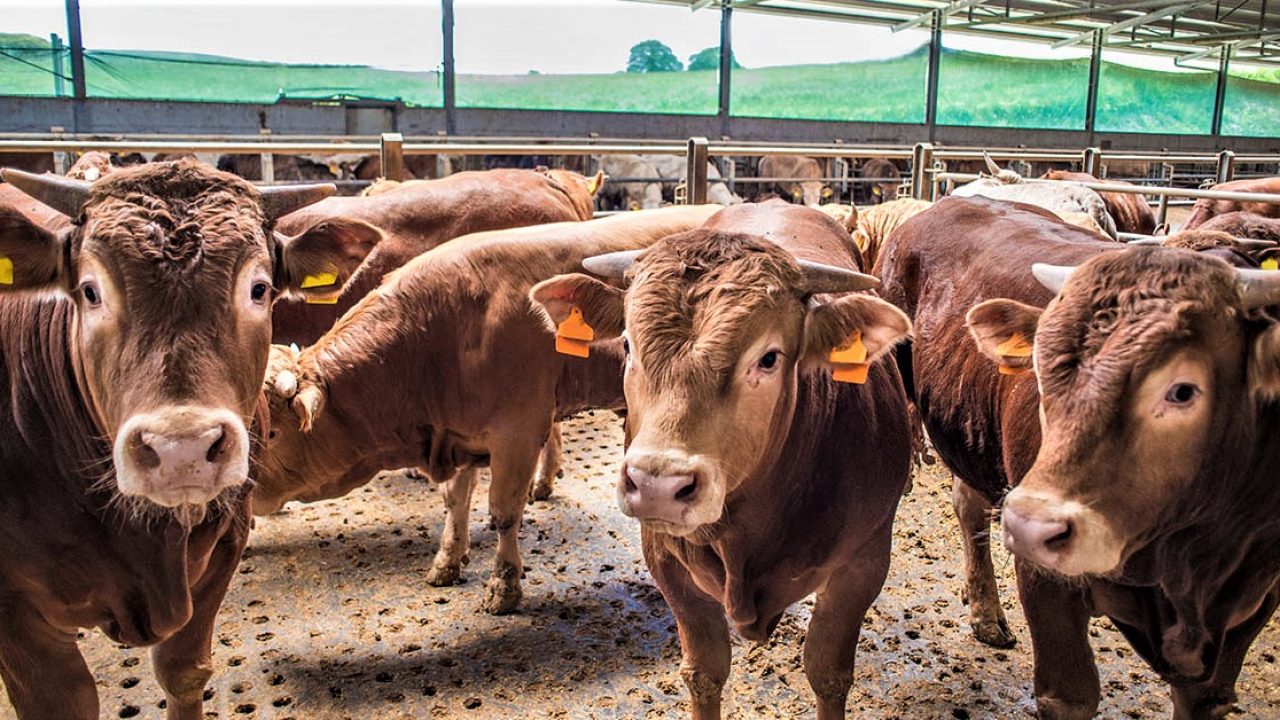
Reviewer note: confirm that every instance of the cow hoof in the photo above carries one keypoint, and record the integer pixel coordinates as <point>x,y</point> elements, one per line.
<point>441,575</point>
<point>501,598</point>
<point>1055,709</point>
<point>995,634</point>
<point>541,491</point>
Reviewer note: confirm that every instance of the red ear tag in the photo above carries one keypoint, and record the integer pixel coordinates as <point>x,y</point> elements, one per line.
<point>850,361</point>
<point>574,335</point>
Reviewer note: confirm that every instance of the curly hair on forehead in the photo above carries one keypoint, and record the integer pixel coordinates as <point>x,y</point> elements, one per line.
<point>694,294</point>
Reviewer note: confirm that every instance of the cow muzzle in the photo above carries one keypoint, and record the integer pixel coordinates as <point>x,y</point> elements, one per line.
<point>181,456</point>
<point>1061,535</point>
<point>671,492</point>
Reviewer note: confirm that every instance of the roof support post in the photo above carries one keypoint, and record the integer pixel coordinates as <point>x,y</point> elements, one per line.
<point>1220,96</point>
<point>1091,100</point>
<point>450,74</point>
<point>931,78</point>
<point>79,88</point>
<point>726,64</point>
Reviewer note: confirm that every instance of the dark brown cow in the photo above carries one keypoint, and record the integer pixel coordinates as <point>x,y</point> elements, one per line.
<point>1131,212</point>
<point>756,478</point>
<point>808,189</point>
<point>888,179</point>
<point>283,167</point>
<point>134,347</point>
<point>1244,225</point>
<point>462,375</point>
<point>1206,209</point>
<point>418,216</point>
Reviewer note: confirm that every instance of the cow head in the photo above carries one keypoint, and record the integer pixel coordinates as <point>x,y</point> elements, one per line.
<point>717,328</point>
<point>171,270</point>
<point>1150,364</point>
<point>811,193</point>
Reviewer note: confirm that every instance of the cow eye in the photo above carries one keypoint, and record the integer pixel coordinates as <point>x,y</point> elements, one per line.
<point>768,361</point>
<point>91,294</point>
<point>259,292</point>
<point>626,346</point>
<point>1181,393</point>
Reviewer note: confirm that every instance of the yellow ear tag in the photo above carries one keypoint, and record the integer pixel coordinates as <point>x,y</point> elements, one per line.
<point>1015,347</point>
<point>6,271</point>
<point>1270,264</point>
<point>324,279</point>
<point>850,361</point>
<point>574,335</point>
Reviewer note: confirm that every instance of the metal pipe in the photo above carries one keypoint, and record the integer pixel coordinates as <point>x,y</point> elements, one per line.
<point>1220,93</point>
<point>696,172</point>
<point>921,160</point>
<point>1226,166</point>
<point>449,68</point>
<point>931,79</point>
<point>1090,160</point>
<point>392,156</point>
<point>1091,99</point>
<point>74,36</point>
<point>1231,195</point>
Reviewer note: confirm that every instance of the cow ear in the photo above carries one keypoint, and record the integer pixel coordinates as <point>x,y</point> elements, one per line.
<point>600,303</point>
<point>31,258</point>
<point>1005,331</point>
<point>1264,364</point>
<point>833,325</point>
<point>320,261</point>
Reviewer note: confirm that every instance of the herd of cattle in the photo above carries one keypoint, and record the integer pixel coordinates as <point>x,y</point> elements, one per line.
<point>182,350</point>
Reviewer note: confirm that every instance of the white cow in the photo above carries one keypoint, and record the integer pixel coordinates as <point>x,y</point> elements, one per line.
<point>1056,196</point>
<point>639,195</point>
<point>676,167</point>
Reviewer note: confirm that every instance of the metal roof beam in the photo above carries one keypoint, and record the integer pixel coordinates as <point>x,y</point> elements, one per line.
<point>955,7</point>
<point>1075,13</point>
<point>1132,22</point>
<point>1182,59</point>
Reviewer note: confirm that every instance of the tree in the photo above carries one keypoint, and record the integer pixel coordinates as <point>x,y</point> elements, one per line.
<point>709,59</point>
<point>653,56</point>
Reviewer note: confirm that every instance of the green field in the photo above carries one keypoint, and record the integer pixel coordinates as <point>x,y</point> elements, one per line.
<point>974,89</point>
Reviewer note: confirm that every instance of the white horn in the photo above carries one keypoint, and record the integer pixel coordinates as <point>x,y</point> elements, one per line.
<point>1052,276</point>
<point>1147,241</point>
<point>1259,288</point>
<point>612,265</point>
<point>286,384</point>
<point>992,167</point>
<point>821,278</point>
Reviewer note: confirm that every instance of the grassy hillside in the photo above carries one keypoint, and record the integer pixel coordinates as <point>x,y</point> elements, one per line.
<point>974,89</point>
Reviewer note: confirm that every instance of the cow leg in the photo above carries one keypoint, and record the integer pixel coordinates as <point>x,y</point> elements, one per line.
<point>832,639</point>
<point>1216,697</point>
<point>512,467</point>
<point>455,541</point>
<point>551,466</point>
<point>43,671</point>
<point>182,663</point>
<point>704,633</point>
<point>1066,678</point>
<point>981,592</point>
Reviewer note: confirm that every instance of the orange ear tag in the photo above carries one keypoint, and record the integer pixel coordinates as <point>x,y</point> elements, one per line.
<point>1015,347</point>
<point>574,335</point>
<point>850,361</point>
<point>6,271</point>
<point>319,280</point>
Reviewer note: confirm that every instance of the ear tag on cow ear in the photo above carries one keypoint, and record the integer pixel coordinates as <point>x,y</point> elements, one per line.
<point>323,279</point>
<point>574,335</point>
<point>6,271</point>
<point>1015,347</point>
<point>1271,264</point>
<point>850,361</point>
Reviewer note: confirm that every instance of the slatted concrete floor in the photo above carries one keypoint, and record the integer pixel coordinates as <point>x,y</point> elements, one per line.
<point>330,618</point>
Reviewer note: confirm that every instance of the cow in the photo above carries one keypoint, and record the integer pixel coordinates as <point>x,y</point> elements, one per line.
<point>1244,225</point>
<point>1206,209</point>
<point>1055,196</point>
<point>283,167</point>
<point>419,216</point>
<point>886,177</point>
<point>878,221</point>
<point>756,478</point>
<point>91,166</point>
<point>456,356</point>
<point>1151,497</point>
<point>808,189</point>
<point>1131,212</point>
<point>676,168</point>
<point>134,347</point>
<point>846,215</point>
<point>634,184</point>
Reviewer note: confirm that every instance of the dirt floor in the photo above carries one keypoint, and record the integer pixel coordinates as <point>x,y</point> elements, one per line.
<point>330,617</point>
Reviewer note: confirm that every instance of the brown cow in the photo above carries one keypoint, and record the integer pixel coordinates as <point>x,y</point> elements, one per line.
<point>134,347</point>
<point>756,478</point>
<point>804,190</point>
<point>419,216</point>
<point>1206,209</point>
<point>1153,490</point>
<point>1244,225</point>
<point>887,177</point>
<point>877,222</point>
<point>1131,213</point>
<point>463,377</point>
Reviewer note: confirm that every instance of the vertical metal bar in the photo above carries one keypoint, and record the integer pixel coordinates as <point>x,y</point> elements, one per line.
<point>1220,97</point>
<point>921,179</point>
<point>931,79</point>
<point>392,151</point>
<point>1090,160</point>
<point>450,71</point>
<point>1226,166</point>
<point>695,192</point>
<point>59,84</point>
<point>77,50</point>
<point>726,65</point>
<point>268,161</point>
<point>1091,100</point>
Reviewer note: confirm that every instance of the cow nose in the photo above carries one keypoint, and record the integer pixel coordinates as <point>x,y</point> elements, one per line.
<point>180,453</point>
<point>1044,541</point>
<point>658,497</point>
<point>181,456</point>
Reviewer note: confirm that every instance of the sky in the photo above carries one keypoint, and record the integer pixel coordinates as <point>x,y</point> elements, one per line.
<point>491,36</point>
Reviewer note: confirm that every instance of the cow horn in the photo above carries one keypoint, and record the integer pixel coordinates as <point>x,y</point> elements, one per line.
<point>820,278</point>
<point>280,200</point>
<point>1255,243</point>
<point>612,265</point>
<point>1259,288</point>
<point>1146,241</point>
<point>63,194</point>
<point>1052,276</point>
<point>286,384</point>
<point>992,167</point>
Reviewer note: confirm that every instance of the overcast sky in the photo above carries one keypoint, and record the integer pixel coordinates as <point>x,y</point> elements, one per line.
<point>491,36</point>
